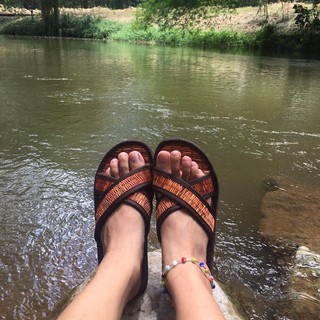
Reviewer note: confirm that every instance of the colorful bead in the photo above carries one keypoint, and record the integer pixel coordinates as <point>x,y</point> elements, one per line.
<point>202,266</point>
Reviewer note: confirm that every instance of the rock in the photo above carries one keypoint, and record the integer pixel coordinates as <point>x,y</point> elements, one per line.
<point>290,212</point>
<point>290,222</point>
<point>301,298</point>
<point>151,305</point>
<point>270,184</point>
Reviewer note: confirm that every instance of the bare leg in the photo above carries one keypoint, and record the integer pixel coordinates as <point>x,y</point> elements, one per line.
<point>182,236</point>
<point>117,279</point>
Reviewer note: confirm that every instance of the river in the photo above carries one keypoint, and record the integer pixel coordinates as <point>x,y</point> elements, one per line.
<point>64,103</point>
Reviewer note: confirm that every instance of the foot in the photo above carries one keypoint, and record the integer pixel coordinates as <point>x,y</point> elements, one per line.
<point>123,243</point>
<point>181,235</point>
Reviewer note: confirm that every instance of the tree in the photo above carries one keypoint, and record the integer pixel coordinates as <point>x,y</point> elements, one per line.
<point>50,16</point>
<point>168,13</point>
<point>308,19</point>
<point>30,5</point>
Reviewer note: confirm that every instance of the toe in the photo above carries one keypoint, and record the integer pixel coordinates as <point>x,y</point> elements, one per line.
<point>194,170</point>
<point>113,171</point>
<point>163,161</point>
<point>123,159</point>
<point>175,163</point>
<point>135,160</point>
<point>186,164</point>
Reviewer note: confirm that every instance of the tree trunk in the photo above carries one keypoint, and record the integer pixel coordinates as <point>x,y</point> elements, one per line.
<point>50,16</point>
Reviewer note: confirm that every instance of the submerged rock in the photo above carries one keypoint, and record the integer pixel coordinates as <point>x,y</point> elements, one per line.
<point>301,298</point>
<point>290,222</point>
<point>151,305</point>
<point>290,212</point>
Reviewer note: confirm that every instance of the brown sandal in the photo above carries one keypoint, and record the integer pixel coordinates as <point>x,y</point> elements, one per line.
<point>134,189</point>
<point>174,193</point>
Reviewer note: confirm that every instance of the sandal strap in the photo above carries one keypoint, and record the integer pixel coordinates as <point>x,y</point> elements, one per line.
<point>142,200</point>
<point>126,188</point>
<point>177,191</point>
<point>203,185</point>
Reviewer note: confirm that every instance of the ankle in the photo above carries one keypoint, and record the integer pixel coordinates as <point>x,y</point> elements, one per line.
<point>195,266</point>
<point>176,239</point>
<point>191,275</point>
<point>127,261</point>
<point>124,273</point>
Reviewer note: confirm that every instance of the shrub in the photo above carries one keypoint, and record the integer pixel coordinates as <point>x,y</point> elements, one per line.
<point>307,19</point>
<point>87,27</point>
<point>266,38</point>
<point>24,27</point>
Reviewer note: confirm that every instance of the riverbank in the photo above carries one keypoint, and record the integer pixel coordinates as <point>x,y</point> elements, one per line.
<point>247,19</point>
<point>249,28</point>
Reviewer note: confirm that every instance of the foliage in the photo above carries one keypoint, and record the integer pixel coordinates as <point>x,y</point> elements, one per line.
<point>179,13</point>
<point>24,27</point>
<point>185,37</point>
<point>87,27</point>
<point>114,4</point>
<point>128,33</point>
<point>11,3</point>
<point>266,38</point>
<point>308,19</point>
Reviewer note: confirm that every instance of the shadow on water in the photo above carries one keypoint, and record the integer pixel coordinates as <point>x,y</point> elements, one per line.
<point>64,103</point>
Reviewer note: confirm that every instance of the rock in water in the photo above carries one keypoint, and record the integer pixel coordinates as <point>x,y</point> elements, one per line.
<point>290,217</point>
<point>291,213</point>
<point>301,298</point>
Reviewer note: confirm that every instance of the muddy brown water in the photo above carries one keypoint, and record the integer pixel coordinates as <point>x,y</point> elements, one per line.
<point>64,103</point>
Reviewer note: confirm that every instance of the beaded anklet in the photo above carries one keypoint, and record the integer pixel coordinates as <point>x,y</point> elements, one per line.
<point>201,265</point>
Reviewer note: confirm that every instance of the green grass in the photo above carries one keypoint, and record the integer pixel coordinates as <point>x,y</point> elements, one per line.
<point>87,27</point>
<point>184,37</point>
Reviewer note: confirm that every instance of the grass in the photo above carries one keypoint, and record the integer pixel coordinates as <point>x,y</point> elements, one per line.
<point>87,27</point>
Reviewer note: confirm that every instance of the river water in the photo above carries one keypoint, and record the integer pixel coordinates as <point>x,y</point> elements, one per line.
<point>64,103</point>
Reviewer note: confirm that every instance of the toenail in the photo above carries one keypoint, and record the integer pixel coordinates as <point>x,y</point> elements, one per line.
<point>134,157</point>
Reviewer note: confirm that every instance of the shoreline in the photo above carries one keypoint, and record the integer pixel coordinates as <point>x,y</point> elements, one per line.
<point>246,30</point>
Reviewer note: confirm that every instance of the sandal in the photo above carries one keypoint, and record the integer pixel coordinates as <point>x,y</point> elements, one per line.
<point>174,193</point>
<point>134,189</point>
